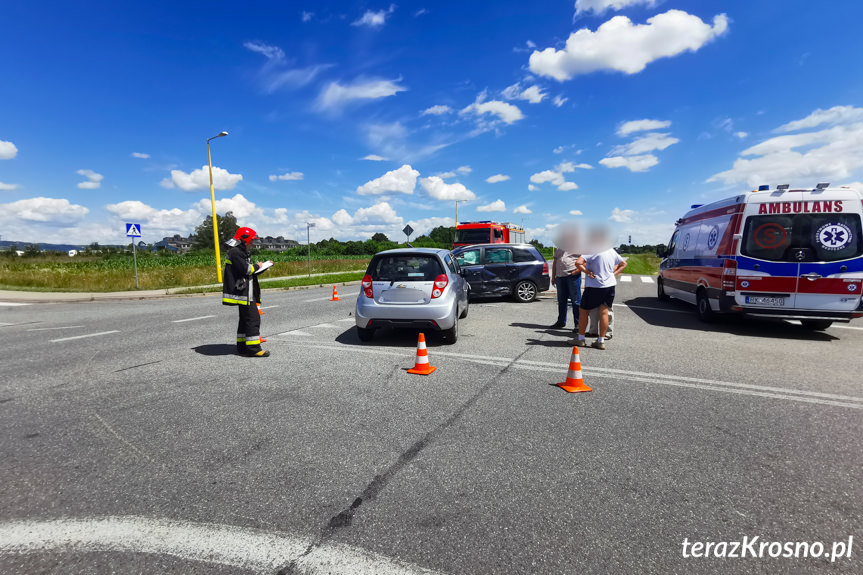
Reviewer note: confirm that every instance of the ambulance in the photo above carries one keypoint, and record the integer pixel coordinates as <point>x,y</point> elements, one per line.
<point>773,252</point>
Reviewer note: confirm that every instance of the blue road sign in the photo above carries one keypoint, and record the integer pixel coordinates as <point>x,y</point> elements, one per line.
<point>133,230</point>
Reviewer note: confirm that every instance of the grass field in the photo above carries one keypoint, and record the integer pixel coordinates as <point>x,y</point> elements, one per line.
<point>115,273</point>
<point>642,264</point>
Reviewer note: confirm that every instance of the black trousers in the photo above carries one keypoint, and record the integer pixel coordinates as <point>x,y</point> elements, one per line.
<point>249,328</point>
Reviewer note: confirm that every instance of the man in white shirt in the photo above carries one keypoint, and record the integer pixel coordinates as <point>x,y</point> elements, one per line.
<point>602,269</point>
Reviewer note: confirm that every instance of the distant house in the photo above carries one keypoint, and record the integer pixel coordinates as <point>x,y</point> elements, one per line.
<point>175,243</point>
<point>277,244</point>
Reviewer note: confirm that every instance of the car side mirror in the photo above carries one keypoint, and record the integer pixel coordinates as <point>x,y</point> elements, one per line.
<point>461,272</point>
<point>661,252</point>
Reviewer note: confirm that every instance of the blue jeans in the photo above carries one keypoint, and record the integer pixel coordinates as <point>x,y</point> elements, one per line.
<point>568,289</point>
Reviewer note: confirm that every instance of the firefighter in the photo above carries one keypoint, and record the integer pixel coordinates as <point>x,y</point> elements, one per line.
<point>240,288</point>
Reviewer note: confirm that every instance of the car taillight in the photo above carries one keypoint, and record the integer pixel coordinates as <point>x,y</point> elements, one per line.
<point>367,286</point>
<point>545,268</point>
<point>729,275</point>
<point>439,285</point>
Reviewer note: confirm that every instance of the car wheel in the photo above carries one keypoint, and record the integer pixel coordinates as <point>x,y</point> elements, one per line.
<point>660,290</point>
<point>365,334</point>
<point>702,304</point>
<point>525,291</point>
<point>816,324</point>
<point>465,311</point>
<point>450,336</point>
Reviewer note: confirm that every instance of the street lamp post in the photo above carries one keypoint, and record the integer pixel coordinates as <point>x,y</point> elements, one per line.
<point>309,226</point>
<point>213,202</point>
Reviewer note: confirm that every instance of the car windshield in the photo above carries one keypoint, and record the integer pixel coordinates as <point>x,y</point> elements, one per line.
<point>803,237</point>
<point>473,236</point>
<point>405,267</point>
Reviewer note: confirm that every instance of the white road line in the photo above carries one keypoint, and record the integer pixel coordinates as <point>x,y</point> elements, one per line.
<point>626,278</point>
<point>53,328</point>
<point>294,332</point>
<point>324,325</point>
<point>845,327</point>
<point>192,318</point>
<point>12,303</point>
<point>643,377</point>
<point>350,319</point>
<point>84,336</point>
<point>646,279</point>
<point>247,549</point>
<point>4,323</point>
<point>269,306</point>
<point>317,299</point>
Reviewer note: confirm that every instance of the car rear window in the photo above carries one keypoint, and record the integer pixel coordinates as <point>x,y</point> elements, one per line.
<point>405,267</point>
<point>523,256</point>
<point>476,236</point>
<point>803,237</point>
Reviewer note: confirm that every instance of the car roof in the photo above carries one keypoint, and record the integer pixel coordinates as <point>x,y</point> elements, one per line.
<point>396,251</point>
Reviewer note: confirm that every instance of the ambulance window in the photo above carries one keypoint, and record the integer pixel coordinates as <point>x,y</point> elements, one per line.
<point>803,237</point>
<point>672,243</point>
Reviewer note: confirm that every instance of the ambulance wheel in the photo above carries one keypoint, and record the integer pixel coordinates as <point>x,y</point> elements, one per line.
<point>365,334</point>
<point>660,290</point>
<point>702,304</point>
<point>816,324</point>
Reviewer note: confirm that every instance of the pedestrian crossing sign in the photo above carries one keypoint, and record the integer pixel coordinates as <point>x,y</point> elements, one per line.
<point>133,230</point>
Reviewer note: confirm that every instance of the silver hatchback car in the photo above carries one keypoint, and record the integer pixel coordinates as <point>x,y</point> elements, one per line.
<point>419,288</point>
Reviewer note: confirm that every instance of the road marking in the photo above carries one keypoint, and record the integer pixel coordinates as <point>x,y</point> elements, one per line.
<point>317,299</point>
<point>12,303</point>
<point>644,377</point>
<point>646,279</point>
<point>84,336</point>
<point>121,439</point>
<point>192,318</point>
<point>243,548</point>
<point>294,332</point>
<point>846,327</point>
<point>350,319</point>
<point>324,325</point>
<point>269,306</point>
<point>626,278</point>
<point>52,328</point>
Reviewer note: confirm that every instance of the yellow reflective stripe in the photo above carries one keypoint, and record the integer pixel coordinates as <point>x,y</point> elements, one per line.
<point>236,301</point>
<point>253,341</point>
<point>251,269</point>
<point>228,262</point>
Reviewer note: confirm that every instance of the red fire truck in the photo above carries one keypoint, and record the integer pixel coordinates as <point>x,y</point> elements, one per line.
<point>487,232</point>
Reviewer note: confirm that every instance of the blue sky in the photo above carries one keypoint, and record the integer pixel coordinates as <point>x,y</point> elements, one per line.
<point>365,116</point>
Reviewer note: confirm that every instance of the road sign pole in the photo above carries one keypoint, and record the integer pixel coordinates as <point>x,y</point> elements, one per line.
<point>135,259</point>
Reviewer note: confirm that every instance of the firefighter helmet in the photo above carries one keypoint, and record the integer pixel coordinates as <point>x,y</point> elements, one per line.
<point>244,235</point>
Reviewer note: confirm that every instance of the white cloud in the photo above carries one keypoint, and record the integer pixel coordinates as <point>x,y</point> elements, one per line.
<point>532,94</point>
<point>619,45</point>
<point>437,110</point>
<point>833,116</point>
<point>375,158</point>
<point>200,179</point>
<point>567,186</point>
<point>380,214</point>
<point>140,155</point>
<point>94,180</point>
<point>464,170</point>
<point>269,52</point>
<point>446,175</point>
<point>375,19</point>
<point>532,188</point>
<point>155,222</point>
<point>8,187</point>
<point>401,181</point>
<point>621,216</point>
<point>289,176</point>
<point>275,74</point>
<point>741,135</point>
<point>647,143</point>
<point>555,177</point>
<point>522,209</point>
<point>336,95</point>
<point>641,126</point>
<point>420,12</point>
<point>575,213</point>
<point>7,150</point>
<point>559,100</point>
<point>600,6</point>
<point>440,190</point>
<point>306,16</point>
<point>56,211</point>
<point>507,113</point>
<point>632,163</point>
<point>496,206</point>
<point>806,158</point>
<point>496,178</point>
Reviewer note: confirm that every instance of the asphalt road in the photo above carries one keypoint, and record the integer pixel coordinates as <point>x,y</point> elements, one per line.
<point>133,440</point>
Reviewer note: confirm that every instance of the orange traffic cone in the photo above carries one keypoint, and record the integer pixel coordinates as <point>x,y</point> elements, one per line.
<point>422,367</point>
<point>335,295</point>
<point>574,383</point>
<point>260,311</point>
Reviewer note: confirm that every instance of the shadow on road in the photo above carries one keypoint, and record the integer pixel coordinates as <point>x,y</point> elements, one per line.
<point>215,349</point>
<point>559,342</point>
<point>391,337</point>
<point>653,312</point>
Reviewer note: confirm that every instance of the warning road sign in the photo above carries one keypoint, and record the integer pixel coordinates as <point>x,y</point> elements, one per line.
<point>133,230</point>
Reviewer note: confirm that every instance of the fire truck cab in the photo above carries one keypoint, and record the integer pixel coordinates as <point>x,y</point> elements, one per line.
<point>487,232</point>
<point>783,253</point>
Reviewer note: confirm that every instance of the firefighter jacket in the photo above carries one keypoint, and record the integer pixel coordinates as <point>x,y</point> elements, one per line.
<point>240,284</point>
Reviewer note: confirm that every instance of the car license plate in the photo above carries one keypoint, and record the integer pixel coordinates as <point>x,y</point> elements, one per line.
<point>766,301</point>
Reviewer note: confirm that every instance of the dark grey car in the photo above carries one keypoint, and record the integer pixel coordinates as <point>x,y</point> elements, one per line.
<point>516,270</point>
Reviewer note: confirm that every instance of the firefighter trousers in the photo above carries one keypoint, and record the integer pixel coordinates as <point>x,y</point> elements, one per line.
<point>249,329</point>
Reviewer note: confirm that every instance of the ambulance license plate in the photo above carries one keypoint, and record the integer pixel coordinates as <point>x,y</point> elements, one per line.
<point>765,301</point>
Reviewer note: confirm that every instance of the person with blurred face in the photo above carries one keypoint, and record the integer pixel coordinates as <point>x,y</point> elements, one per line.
<point>567,278</point>
<point>602,269</point>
